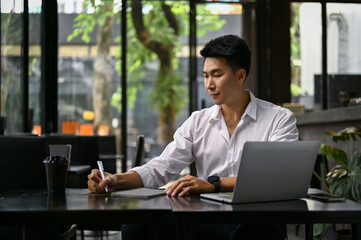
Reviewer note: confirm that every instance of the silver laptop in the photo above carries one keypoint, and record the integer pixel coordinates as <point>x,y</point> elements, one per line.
<point>272,171</point>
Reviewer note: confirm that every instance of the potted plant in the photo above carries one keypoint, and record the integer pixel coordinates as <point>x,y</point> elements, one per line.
<point>344,178</point>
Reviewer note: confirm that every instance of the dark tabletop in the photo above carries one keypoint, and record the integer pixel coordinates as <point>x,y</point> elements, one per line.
<point>302,210</point>
<point>77,206</point>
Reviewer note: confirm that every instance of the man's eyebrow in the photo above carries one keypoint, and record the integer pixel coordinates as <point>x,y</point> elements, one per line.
<point>214,70</point>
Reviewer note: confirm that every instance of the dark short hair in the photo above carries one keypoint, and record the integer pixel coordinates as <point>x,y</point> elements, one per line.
<point>231,47</point>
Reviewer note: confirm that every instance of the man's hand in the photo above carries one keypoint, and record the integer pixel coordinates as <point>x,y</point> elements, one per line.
<point>97,185</point>
<point>114,182</point>
<point>189,184</point>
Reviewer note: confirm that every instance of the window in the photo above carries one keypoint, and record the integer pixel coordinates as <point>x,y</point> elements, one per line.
<point>88,89</point>
<point>306,53</point>
<point>343,54</point>
<point>157,79</point>
<point>325,69</point>
<point>228,18</point>
<point>11,57</point>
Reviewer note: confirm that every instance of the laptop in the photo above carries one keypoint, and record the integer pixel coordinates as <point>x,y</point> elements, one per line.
<point>272,171</point>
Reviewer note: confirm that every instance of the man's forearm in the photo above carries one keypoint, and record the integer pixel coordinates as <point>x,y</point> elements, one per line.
<point>128,180</point>
<point>227,184</point>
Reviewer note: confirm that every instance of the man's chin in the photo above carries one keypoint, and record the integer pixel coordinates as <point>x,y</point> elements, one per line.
<point>217,103</point>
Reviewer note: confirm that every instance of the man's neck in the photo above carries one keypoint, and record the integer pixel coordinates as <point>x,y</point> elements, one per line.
<point>232,113</point>
<point>236,109</point>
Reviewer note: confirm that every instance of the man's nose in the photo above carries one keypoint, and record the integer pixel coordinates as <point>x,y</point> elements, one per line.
<point>209,84</point>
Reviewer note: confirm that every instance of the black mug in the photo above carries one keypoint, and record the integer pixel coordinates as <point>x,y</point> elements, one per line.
<point>56,172</point>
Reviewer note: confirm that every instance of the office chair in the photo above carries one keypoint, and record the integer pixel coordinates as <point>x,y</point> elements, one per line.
<point>139,152</point>
<point>60,150</point>
<point>107,148</point>
<point>74,141</point>
<point>22,156</point>
<point>137,161</point>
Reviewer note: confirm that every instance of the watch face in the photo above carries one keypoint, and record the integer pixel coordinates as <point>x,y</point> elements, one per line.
<point>213,179</point>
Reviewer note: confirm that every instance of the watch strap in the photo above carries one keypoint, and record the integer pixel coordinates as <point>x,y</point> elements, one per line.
<point>215,180</point>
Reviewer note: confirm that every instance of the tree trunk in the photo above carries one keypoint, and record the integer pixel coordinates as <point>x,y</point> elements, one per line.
<point>167,116</point>
<point>5,80</point>
<point>103,70</point>
<point>5,71</point>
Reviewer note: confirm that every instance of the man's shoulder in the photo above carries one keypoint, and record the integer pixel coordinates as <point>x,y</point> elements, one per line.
<point>203,116</point>
<point>267,106</point>
<point>206,112</point>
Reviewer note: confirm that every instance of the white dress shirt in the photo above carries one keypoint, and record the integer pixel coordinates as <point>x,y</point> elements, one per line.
<point>204,139</point>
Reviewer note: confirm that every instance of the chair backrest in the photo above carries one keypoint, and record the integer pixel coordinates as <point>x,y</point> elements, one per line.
<point>74,141</point>
<point>21,159</point>
<point>139,151</point>
<point>106,144</point>
<point>86,129</point>
<point>89,154</point>
<point>60,150</point>
<point>70,127</point>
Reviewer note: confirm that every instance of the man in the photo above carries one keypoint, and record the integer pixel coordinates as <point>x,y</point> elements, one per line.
<point>213,138</point>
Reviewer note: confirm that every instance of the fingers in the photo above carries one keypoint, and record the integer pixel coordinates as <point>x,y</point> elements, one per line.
<point>95,182</point>
<point>182,186</point>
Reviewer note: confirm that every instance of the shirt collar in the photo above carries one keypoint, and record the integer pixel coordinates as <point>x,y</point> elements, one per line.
<point>251,110</point>
<point>216,114</point>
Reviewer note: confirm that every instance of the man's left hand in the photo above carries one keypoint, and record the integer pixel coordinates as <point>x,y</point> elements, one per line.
<point>189,184</point>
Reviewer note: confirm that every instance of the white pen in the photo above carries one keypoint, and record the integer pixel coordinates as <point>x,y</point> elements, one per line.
<point>101,169</point>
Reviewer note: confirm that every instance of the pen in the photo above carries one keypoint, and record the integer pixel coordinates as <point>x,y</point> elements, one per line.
<point>101,169</point>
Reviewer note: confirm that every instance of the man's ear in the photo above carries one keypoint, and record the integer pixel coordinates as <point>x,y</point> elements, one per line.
<point>241,75</point>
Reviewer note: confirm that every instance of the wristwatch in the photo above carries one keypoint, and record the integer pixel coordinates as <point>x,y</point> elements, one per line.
<point>215,180</point>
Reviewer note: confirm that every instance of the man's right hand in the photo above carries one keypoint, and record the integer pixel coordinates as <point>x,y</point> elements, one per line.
<point>97,185</point>
<point>114,182</point>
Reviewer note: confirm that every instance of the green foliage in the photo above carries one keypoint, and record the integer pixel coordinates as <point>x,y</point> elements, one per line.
<point>170,90</point>
<point>295,31</point>
<point>320,230</point>
<point>331,152</point>
<point>10,32</point>
<point>85,22</point>
<point>344,179</point>
<point>345,135</point>
<point>295,90</point>
<point>207,22</point>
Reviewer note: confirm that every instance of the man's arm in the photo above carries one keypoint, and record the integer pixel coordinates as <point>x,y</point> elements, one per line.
<point>191,184</point>
<point>286,129</point>
<point>114,182</point>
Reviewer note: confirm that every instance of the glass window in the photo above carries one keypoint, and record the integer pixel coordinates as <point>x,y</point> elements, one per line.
<point>34,65</point>
<point>343,54</point>
<point>11,71</point>
<point>214,20</point>
<point>157,72</point>
<point>87,66</point>
<point>306,54</point>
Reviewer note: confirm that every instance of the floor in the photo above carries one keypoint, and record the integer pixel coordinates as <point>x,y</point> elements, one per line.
<point>291,229</point>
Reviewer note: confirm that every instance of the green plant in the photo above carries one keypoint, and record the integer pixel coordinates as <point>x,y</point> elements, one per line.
<point>344,179</point>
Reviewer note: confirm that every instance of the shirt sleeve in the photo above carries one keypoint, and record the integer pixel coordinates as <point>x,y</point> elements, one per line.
<point>175,157</point>
<point>286,128</point>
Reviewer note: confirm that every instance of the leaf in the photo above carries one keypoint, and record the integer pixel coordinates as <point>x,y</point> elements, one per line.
<point>317,229</point>
<point>336,154</point>
<point>345,135</point>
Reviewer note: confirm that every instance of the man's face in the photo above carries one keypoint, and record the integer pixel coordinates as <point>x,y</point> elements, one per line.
<point>222,85</point>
